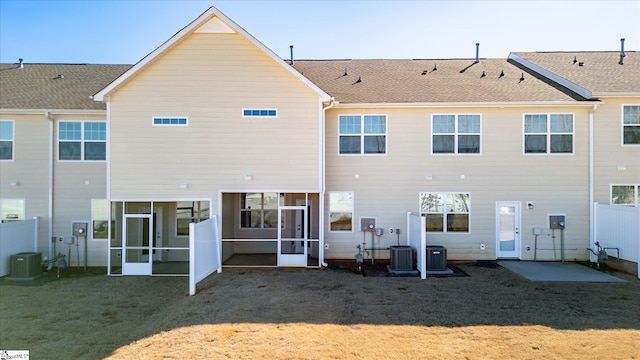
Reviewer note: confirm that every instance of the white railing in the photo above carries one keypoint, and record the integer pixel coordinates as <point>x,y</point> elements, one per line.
<point>204,251</point>
<point>17,237</point>
<point>618,226</point>
<point>417,238</point>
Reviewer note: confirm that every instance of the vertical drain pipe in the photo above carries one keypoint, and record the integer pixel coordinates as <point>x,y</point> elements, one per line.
<point>592,227</point>
<point>50,210</point>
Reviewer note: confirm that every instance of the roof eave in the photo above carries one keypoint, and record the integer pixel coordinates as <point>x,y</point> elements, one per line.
<point>468,104</point>
<point>54,111</point>
<point>212,11</point>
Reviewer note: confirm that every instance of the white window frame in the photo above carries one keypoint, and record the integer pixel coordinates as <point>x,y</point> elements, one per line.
<point>636,194</point>
<point>352,212</point>
<point>548,134</point>
<point>456,134</point>
<point>444,211</point>
<point>95,218</point>
<point>363,135</point>
<point>262,210</point>
<point>12,140</point>
<point>82,140</point>
<point>622,126</point>
<point>260,115</point>
<point>171,120</point>
<point>198,217</point>
<point>21,216</point>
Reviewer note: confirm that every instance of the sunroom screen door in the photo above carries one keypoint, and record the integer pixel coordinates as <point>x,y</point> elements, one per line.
<point>137,247</point>
<point>292,236</point>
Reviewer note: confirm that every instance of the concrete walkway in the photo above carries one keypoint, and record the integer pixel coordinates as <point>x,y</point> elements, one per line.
<point>557,271</point>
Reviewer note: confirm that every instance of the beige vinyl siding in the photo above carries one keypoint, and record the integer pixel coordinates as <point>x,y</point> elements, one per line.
<point>389,186</point>
<point>210,78</point>
<point>30,166</point>
<point>609,151</point>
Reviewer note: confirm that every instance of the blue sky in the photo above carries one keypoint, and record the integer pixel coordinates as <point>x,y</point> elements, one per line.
<point>123,32</point>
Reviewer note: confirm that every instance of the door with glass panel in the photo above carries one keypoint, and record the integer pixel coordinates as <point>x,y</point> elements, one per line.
<point>508,230</point>
<point>137,232</point>
<point>292,236</point>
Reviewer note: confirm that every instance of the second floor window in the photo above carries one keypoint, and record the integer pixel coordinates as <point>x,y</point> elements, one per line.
<point>82,140</point>
<point>631,125</point>
<point>6,140</point>
<point>548,133</point>
<point>455,134</point>
<point>362,134</point>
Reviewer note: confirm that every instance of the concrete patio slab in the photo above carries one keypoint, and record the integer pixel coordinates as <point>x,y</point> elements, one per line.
<point>557,271</point>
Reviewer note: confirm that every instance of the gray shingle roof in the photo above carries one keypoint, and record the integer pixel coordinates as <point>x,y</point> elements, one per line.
<point>39,86</point>
<point>600,72</point>
<point>416,81</point>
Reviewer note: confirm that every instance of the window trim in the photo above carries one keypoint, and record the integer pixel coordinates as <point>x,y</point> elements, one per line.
<point>94,219</point>
<point>262,211</point>
<point>82,140</point>
<point>622,125</point>
<point>259,115</point>
<point>362,135</point>
<point>636,194</point>
<point>12,140</point>
<point>353,202</point>
<point>548,135</point>
<point>154,118</point>
<point>24,210</point>
<point>456,134</point>
<point>445,213</point>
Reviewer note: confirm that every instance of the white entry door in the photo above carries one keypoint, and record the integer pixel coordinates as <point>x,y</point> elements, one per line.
<point>508,230</point>
<point>292,236</point>
<point>137,231</point>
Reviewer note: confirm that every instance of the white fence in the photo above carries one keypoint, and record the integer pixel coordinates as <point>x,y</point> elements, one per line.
<point>17,237</point>
<point>417,238</point>
<point>204,251</point>
<point>618,226</point>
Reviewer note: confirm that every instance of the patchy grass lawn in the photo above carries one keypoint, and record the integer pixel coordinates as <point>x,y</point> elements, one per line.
<point>320,314</point>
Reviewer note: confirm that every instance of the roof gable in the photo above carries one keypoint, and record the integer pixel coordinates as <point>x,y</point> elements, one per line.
<point>211,21</point>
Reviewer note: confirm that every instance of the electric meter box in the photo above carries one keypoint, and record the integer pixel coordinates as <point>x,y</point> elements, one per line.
<point>80,229</point>
<point>367,224</point>
<point>557,222</point>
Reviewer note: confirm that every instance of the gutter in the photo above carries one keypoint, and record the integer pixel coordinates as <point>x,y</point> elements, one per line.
<point>591,186</point>
<point>51,120</point>
<point>323,177</point>
<point>59,111</point>
<point>465,105</point>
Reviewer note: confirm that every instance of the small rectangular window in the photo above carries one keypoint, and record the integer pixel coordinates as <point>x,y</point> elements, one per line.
<point>446,212</point>
<point>170,121</point>
<point>631,125</point>
<point>190,212</point>
<point>11,210</point>
<point>7,137</point>
<point>100,218</point>
<point>259,210</point>
<point>341,211</point>
<point>625,194</point>
<point>259,113</point>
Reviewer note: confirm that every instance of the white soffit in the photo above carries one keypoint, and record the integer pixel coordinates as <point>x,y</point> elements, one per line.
<point>214,26</point>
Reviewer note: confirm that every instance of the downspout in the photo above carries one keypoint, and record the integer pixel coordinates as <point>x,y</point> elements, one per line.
<point>591,186</point>
<point>50,224</point>
<point>323,174</point>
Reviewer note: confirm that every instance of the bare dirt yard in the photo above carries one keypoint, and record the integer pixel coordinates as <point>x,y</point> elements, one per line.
<point>331,313</point>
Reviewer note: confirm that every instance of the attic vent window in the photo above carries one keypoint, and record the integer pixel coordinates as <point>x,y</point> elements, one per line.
<point>170,121</point>
<point>259,113</point>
